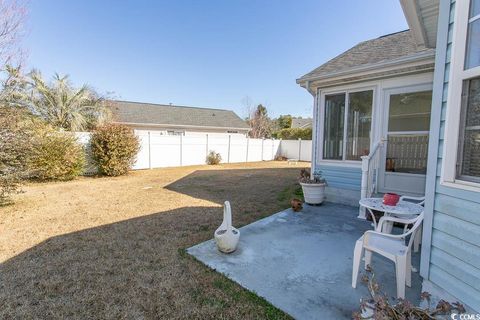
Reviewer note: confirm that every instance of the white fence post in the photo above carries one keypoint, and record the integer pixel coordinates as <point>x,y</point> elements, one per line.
<point>299,149</point>
<point>248,143</point>
<point>263,140</point>
<point>149,152</point>
<point>273,146</point>
<point>229,143</point>
<point>206,148</point>
<point>181,149</point>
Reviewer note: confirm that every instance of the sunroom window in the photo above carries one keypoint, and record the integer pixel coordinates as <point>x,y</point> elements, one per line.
<point>462,129</point>
<point>348,121</point>
<point>472,57</point>
<point>468,165</point>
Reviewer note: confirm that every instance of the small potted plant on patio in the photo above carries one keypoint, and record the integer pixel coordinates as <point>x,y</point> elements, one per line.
<point>313,186</point>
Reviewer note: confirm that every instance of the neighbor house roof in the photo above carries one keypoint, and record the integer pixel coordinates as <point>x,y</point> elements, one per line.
<point>398,46</point>
<point>301,123</point>
<point>171,116</point>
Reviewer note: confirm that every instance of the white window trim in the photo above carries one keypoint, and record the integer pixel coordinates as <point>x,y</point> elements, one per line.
<point>321,126</point>
<point>454,100</point>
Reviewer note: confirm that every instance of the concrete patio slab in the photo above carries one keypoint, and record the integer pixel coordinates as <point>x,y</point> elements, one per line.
<point>302,262</point>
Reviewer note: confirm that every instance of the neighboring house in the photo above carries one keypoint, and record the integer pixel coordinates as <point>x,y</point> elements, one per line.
<point>301,123</point>
<point>410,101</point>
<point>177,120</point>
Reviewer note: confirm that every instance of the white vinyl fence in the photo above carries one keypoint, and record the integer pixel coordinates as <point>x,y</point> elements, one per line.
<point>296,149</point>
<point>159,151</point>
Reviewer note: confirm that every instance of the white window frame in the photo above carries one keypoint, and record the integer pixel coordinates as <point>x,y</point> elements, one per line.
<point>454,101</point>
<point>321,132</point>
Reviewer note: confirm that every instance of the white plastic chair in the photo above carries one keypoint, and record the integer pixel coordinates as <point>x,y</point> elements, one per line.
<point>390,246</point>
<point>418,237</point>
<point>417,200</point>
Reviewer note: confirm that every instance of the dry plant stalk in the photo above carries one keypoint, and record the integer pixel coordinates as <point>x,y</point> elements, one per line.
<point>383,308</point>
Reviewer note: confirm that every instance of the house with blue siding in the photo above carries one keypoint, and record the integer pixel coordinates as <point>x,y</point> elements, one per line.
<point>401,113</point>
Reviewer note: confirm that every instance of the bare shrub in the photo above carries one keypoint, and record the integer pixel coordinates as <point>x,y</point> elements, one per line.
<point>15,148</point>
<point>114,149</point>
<point>379,306</point>
<point>213,158</point>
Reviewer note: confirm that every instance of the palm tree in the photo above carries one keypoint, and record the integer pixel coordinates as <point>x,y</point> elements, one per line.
<point>63,106</point>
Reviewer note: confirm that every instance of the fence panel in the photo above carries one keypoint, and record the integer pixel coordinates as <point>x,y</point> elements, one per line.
<point>238,149</point>
<point>296,149</point>
<point>254,150</point>
<point>194,149</point>
<point>306,150</point>
<point>289,149</point>
<point>267,150</point>
<point>157,150</point>
<point>165,151</point>
<point>218,144</point>
<point>143,161</point>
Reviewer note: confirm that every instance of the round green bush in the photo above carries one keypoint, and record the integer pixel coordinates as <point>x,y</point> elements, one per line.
<point>295,133</point>
<point>114,149</point>
<point>56,156</point>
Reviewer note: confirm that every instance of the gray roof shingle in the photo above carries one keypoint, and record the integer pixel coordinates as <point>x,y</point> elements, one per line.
<point>159,114</point>
<point>302,123</point>
<point>385,48</point>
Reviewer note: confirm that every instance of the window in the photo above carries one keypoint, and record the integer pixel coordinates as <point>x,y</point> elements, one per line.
<point>348,121</point>
<point>408,129</point>
<point>468,166</point>
<point>472,58</point>
<point>333,134</point>
<point>462,129</point>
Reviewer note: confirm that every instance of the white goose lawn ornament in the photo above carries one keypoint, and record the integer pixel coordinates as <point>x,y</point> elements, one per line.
<point>227,236</point>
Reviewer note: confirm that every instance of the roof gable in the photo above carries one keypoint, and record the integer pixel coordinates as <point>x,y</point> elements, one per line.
<point>171,115</point>
<point>371,52</point>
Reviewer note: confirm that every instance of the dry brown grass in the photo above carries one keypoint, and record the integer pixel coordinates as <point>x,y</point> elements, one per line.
<point>114,248</point>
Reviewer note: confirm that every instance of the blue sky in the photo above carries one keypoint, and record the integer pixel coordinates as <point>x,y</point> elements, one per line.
<point>201,53</point>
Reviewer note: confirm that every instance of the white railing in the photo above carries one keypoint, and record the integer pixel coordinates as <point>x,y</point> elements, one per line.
<point>370,167</point>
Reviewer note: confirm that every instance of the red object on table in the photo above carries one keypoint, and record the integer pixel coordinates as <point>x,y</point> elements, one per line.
<point>391,199</point>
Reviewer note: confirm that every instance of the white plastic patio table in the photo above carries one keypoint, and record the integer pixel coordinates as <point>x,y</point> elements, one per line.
<point>403,208</point>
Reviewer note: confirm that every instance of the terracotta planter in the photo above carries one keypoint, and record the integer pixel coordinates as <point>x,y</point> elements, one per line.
<point>314,193</point>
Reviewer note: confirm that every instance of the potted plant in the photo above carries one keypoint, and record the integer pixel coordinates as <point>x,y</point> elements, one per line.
<point>313,188</point>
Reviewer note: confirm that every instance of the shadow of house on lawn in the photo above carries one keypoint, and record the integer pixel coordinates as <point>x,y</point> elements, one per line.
<point>129,269</point>
<point>138,268</point>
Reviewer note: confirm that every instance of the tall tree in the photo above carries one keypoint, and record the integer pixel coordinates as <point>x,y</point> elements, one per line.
<point>64,106</point>
<point>260,123</point>
<point>12,17</point>
<point>284,121</point>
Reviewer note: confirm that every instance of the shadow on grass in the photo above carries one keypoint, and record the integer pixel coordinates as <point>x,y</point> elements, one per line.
<point>135,268</point>
<point>138,268</point>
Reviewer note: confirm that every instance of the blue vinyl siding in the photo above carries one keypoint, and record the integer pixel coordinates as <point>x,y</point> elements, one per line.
<point>347,178</point>
<point>455,237</point>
